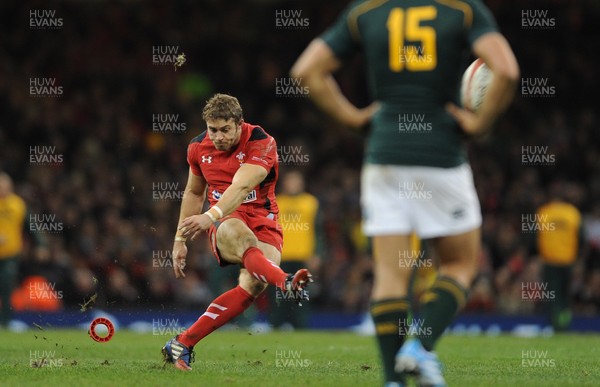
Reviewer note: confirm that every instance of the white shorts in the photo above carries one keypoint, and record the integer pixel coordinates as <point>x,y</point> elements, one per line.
<point>433,202</point>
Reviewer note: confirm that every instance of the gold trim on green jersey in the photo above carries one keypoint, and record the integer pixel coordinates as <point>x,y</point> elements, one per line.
<point>356,12</point>
<point>461,6</point>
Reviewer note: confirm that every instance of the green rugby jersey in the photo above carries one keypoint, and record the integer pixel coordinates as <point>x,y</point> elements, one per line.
<point>415,53</point>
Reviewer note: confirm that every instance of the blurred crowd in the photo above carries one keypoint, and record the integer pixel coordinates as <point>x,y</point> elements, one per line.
<point>115,189</point>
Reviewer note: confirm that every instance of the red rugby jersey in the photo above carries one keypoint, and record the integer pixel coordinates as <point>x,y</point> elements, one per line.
<point>218,167</point>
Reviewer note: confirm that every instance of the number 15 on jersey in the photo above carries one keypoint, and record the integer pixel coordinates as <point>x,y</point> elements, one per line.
<point>404,25</point>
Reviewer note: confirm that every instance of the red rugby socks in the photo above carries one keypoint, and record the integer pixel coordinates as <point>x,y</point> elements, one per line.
<point>262,269</point>
<point>234,302</point>
<point>223,309</point>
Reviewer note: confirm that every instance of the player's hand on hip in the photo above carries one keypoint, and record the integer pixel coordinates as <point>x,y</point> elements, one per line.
<point>471,123</point>
<point>362,117</point>
<point>194,225</point>
<point>179,253</point>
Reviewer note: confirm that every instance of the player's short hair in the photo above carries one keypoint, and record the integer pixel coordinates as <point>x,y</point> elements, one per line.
<point>222,106</point>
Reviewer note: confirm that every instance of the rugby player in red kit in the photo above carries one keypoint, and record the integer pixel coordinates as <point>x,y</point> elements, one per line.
<point>235,164</point>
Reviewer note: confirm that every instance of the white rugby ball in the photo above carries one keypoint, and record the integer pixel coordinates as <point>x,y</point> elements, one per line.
<point>474,85</point>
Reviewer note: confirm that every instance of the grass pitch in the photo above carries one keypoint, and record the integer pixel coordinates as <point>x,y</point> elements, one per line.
<point>70,357</point>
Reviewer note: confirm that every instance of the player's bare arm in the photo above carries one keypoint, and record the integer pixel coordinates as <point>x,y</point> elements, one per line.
<point>495,51</point>
<point>192,202</point>
<point>245,180</point>
<point>314,68</point>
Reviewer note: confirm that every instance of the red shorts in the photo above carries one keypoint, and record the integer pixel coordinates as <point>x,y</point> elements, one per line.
<point>265,229</point>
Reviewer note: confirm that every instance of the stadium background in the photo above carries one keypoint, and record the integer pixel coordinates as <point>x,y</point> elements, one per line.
<point>116,234</point>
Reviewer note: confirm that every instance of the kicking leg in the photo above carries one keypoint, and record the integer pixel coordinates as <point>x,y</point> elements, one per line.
<point>235,301</point>
<point>237,244</point>
<point>230,304</point>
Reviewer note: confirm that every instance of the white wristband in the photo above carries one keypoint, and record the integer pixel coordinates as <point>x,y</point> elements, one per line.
<point>220,211</point>
<point>211,216</point>
<point>180,239</point>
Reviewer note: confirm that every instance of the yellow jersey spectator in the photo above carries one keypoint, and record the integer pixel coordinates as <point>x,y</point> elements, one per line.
<point>559,238</point>
<point>13,223</point>
<point>299,220</point>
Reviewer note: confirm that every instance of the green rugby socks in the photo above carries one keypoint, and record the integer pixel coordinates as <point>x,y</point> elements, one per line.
<point>439,306</point>
<point>388,315</point>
